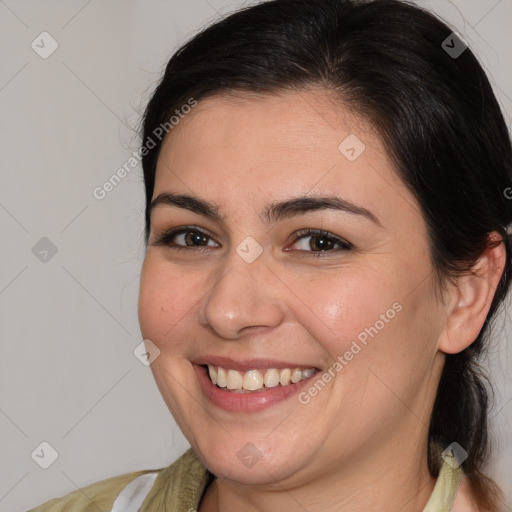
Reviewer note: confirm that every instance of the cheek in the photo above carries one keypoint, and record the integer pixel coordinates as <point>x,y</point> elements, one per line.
<point>390,347</point>
<point>350,306</point>
<point>165,297</point>
<point>372,326</point>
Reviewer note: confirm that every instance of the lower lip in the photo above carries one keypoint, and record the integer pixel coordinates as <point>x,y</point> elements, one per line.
<point>246,402</point>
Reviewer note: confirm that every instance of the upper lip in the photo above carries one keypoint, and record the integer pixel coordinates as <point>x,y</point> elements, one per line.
<point>244,365</point>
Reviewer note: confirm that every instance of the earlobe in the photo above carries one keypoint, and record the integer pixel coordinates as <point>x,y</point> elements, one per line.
<point>472,297</point>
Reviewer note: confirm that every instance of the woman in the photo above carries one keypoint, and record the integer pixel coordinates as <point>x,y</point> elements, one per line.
<point>327,243</point>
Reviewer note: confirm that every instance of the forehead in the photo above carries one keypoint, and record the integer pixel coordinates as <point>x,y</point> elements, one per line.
<point>290,129</point>
<point>262,148</point>
<point>290,121</point>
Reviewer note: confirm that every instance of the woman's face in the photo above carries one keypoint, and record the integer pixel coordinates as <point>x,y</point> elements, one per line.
<point>247,286</point>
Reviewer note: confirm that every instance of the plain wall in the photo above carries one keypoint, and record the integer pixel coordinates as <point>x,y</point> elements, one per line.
<point>69,325</point>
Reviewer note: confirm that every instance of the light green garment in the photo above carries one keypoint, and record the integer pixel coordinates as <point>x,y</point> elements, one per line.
<point>445,490</point>
<point>179,488</point>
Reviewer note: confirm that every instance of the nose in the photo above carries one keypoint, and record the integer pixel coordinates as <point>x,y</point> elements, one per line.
<point>244,298</point>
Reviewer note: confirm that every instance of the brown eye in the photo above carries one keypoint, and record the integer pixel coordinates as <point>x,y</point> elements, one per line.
<point>320,242</point>
<point>183,238</point>
<point>195,238</point>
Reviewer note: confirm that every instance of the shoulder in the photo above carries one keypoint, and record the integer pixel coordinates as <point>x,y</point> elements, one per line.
<point>98,496</point>
<point>179,486</point>
<point>187,472</point>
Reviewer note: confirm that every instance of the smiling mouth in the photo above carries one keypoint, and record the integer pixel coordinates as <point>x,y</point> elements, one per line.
<point>256,380</point>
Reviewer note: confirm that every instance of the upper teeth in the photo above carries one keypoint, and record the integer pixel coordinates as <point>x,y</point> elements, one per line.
<point>253,380</point>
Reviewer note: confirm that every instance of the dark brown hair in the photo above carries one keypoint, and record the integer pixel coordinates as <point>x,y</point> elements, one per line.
<point>438,117</point>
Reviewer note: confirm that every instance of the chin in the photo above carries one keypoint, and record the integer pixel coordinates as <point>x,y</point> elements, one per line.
<point>253,463</point>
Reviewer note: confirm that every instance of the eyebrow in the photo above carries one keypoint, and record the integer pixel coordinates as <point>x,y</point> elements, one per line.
<point>273,213</point>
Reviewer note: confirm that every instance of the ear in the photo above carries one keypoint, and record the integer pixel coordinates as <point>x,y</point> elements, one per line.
<point>471,297</point>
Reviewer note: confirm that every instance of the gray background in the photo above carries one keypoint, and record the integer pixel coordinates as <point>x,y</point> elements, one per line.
<point>69,326</point>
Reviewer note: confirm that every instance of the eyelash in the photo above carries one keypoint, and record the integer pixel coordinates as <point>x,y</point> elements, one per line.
<point>166,239</point>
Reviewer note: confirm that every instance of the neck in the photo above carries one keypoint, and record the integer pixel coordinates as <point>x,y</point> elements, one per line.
<point>397,481</point>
